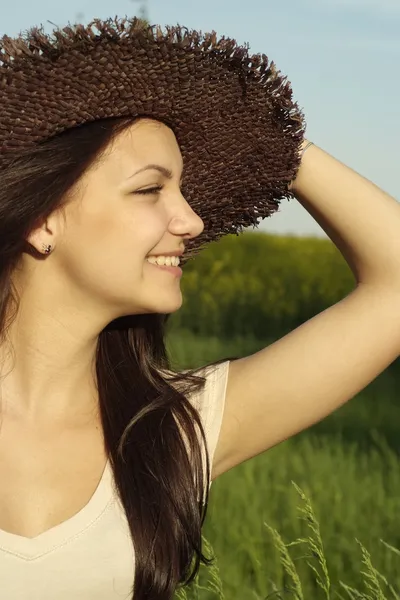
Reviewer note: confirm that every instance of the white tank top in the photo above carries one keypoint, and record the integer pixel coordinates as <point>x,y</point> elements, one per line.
<point>90,556</point>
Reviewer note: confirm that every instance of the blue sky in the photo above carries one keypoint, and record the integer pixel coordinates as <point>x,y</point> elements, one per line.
<point>342,57</point>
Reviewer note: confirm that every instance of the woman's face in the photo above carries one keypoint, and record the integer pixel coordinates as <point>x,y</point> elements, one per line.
<point>110,227</point>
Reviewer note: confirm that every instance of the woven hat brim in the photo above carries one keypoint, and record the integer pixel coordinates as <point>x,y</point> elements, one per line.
<point>233,114</point>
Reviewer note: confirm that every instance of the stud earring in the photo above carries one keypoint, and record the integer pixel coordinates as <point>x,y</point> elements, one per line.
<point>46,248</point>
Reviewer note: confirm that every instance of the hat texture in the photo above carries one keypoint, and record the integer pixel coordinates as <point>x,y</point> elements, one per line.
<point>237,125</point>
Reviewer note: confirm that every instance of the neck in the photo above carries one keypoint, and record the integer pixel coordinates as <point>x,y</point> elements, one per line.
<point>48,367</point>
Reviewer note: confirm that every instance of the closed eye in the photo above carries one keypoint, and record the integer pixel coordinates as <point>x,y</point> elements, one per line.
<point>154,190</point>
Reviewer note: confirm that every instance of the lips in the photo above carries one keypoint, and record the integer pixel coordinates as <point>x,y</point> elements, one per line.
<point>177,271</point>
<point>167,253</point>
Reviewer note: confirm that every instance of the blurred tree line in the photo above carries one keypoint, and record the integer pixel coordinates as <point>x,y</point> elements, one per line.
<point>260,285</point>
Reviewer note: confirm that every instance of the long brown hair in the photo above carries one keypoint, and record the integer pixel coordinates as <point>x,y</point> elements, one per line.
<point>151,430</point>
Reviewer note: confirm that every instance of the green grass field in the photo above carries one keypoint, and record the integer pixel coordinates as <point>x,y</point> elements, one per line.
<point>348,468</point>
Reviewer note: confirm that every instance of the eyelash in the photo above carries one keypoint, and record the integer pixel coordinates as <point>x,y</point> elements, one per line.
<point>153,190</point>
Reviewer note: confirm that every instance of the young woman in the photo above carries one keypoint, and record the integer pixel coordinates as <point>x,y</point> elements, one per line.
<point>106,455</point>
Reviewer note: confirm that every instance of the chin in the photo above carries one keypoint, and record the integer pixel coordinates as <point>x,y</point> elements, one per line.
<point>169,308</point>
<point>166,303</point>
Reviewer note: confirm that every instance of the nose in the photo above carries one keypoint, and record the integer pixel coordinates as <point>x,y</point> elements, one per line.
<point>186,223</point>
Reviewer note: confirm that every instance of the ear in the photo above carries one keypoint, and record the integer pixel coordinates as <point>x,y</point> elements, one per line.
<point>41,236</point>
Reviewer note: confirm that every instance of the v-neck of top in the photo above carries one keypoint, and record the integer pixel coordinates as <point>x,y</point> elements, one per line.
<point>49,540</point>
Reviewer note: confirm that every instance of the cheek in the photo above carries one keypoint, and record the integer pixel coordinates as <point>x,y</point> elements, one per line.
<point>112,243</point>
<point>144,229</point>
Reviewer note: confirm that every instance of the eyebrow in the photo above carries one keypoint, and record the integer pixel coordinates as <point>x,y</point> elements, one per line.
<point>163,170</point>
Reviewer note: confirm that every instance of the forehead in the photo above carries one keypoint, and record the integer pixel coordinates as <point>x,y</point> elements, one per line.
<point>149,140</point>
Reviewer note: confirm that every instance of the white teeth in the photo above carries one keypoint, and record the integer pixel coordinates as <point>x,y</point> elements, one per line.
<point>169,261</point>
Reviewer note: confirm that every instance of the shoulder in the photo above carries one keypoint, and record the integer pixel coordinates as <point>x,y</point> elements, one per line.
<point>214,388</point>
<point>210,403</point>
<point>209,400</point>
<point>213,393</point>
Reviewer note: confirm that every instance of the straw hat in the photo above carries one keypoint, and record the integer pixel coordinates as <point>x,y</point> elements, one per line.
<point>237,125</point>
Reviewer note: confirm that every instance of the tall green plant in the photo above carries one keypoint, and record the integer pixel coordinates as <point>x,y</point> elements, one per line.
<point>376,586</point>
